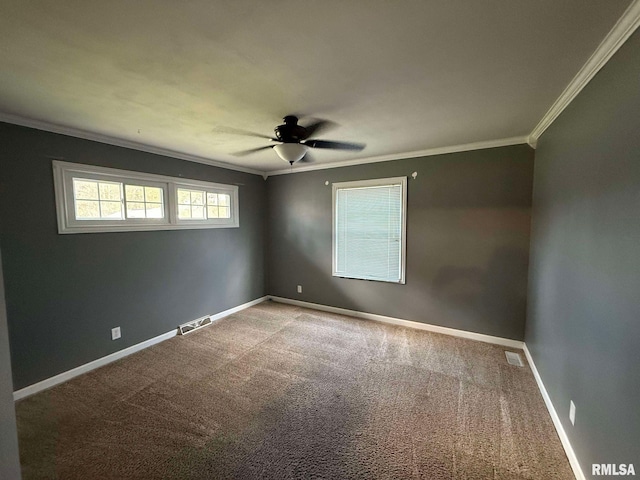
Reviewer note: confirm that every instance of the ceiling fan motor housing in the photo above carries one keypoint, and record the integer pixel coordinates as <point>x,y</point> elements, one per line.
<point>290,131</point>
<point>294,140</point>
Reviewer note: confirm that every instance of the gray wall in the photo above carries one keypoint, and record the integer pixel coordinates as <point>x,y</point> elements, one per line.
<point>468,222</point>
<point>9,457</point>
<point>583,325</point>
<point>65,292</point>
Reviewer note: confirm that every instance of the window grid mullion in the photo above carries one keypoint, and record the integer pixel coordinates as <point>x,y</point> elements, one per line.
<point>144,200</point>
<point>99,200</point>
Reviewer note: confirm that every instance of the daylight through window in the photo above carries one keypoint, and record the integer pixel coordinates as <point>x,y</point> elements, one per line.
<point>144,202</point>
<point>98,199</point>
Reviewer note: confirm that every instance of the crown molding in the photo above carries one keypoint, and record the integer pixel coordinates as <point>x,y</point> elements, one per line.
<point>503,142</point>
<point>621,31</point>
<point>97,137</point>
<point>617,36</point>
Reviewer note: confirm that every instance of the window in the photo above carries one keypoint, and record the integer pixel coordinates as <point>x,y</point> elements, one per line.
<point>144,202</point>
<point>369,226</point>
<point>97,199</point>
<point>202,204</point>
<point>191,204</point>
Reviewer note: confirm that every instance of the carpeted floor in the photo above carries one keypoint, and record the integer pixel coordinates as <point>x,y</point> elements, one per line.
<point>280,392</point>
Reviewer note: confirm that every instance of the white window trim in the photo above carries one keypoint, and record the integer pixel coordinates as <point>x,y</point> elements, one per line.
<point>207,188</point>
<point>64,172</point>
<point>403,231</point>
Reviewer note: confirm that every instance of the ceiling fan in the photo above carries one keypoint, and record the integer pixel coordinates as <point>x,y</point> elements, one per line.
<point>293,140</point>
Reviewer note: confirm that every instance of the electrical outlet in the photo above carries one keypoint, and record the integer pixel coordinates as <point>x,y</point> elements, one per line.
<point>572,412</point>
<point>115,333</point>
<point>299,288</point>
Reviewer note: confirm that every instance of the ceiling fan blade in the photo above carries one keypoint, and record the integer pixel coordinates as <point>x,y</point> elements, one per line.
<point>252,150</point>
<point>239,131</point>
<point>335,145</point>
<point>319,127</point>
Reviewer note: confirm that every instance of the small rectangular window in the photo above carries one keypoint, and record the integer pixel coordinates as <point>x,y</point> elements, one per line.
<point>218,205</point>
<point>144,202</point>
<point>201,205</point>
<point>205,205</point>
<point>191,205</point>
<point>98,199</point>
<point>369,226</point>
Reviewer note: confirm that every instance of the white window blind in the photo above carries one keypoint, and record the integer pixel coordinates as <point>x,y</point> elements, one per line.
<point>369,229</point>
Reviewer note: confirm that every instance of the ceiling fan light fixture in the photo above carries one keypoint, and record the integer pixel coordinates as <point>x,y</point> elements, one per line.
<point>291,152</point>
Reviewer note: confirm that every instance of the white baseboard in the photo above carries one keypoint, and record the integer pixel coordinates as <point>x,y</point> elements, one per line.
<point>506,342</point>
<point>226,313</point>
<point>571,455</point>
<point>573,460</point>
<point>87,367</point>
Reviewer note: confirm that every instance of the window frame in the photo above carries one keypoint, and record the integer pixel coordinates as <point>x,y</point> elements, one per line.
<point>205,189</point>
<point>146,220</point>
<point>65,172</point>
<point>77,225</point>
<point>377,182</point>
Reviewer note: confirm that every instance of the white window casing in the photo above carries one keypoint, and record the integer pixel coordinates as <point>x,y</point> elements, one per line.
<point>152,207</point>
<point>369,229</point>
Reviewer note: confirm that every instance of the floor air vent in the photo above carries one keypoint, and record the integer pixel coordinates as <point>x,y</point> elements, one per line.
<point>194,325</point>
<point>514,359</point>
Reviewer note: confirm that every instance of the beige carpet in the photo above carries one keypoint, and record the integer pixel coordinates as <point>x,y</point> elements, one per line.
<point>279,392</point>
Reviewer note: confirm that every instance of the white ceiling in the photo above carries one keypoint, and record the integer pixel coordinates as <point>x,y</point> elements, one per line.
<point>400,76</point>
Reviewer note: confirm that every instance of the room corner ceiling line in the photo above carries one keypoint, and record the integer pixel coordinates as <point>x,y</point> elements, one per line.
<point>621,31</point>
<point>87,367</point>
<point>503,142</point>
<point>97,137</point>
<point>505,342</point>
<point>564,439</point>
